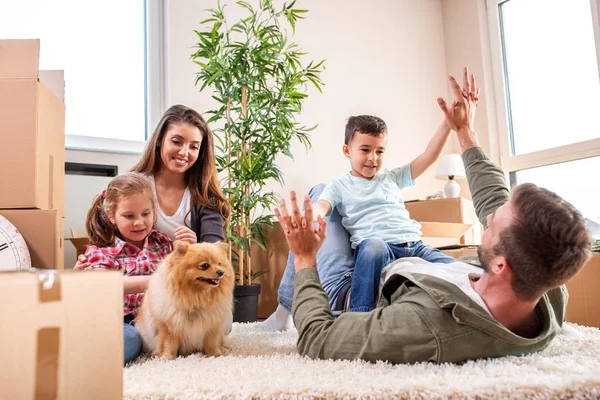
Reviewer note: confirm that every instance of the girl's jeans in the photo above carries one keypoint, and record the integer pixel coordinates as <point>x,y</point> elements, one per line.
<point>132,340</point>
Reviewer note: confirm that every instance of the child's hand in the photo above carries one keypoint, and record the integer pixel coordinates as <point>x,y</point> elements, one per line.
<point>82,263</point>
<point>186,234</point>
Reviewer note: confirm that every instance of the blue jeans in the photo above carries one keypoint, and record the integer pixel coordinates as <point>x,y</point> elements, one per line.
<point>132,341</point>
<point>371,256</point>
<point>334,260</point>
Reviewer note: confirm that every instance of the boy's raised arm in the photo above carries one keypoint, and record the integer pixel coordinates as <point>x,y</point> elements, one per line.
<point>432,152</point>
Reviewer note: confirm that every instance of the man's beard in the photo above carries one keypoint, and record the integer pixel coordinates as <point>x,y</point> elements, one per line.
<point>485,256</point>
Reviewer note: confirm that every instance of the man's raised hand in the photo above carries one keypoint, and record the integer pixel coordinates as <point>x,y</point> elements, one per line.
<point>303,238</point>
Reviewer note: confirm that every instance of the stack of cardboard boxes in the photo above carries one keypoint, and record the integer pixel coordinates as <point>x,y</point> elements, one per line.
<point>61,333</point>
<point>32,154</point>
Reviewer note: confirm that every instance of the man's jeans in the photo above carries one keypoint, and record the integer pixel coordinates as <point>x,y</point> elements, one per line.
<point>334,259</point>
<point>371,256</point>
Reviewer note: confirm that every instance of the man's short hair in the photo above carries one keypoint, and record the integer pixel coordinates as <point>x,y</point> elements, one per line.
<point>546,244</point>
<point>367,124</point>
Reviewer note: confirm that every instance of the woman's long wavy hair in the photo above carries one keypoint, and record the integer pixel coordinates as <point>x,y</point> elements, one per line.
<point>101,231</point>
<point>201,178</point>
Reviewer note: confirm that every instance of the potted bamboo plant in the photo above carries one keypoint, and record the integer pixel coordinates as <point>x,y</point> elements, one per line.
<point>259,80</point>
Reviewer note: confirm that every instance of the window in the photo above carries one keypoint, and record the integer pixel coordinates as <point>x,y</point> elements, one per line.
<point>101,46</point>
<point>546,62</point>
<point>560,178</point>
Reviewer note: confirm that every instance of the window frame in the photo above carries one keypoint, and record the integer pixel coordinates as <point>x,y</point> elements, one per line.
<point>155,88</point>
<point>513,163</point>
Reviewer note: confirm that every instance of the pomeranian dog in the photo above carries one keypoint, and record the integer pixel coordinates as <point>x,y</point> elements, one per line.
<point>188,299</point>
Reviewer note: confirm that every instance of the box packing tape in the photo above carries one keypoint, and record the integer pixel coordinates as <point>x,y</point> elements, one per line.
<point>48,341</point>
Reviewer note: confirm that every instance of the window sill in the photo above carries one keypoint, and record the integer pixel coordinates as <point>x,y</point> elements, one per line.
<point>105,145</point>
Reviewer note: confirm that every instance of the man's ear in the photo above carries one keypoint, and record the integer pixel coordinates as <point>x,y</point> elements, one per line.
<point>180,247</point>
<point>346,150</point>
<point>500,266</point>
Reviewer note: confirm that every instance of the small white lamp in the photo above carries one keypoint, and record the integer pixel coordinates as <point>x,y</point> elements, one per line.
<point>451,168</point>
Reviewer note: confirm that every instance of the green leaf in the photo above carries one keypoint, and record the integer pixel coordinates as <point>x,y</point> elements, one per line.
<point>246,5</point>
<point>212,19</point>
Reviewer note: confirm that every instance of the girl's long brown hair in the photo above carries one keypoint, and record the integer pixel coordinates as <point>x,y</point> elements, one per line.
<point>100,230</point>
<point>201,179</point>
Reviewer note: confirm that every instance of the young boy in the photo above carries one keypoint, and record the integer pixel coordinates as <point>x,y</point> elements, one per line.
<point>373,213</point>
<point>371,205</point>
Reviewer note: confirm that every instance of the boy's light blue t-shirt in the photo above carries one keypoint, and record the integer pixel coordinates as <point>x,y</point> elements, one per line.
<point>374,208</point>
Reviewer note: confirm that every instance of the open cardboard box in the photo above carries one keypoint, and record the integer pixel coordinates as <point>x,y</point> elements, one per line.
<point>437,234</point>
<point>79,239</point>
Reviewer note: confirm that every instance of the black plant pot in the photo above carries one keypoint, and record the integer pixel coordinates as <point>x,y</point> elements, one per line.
<point>245,307</point>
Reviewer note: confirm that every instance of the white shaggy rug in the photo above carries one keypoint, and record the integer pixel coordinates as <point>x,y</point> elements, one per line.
<point>265,365</point>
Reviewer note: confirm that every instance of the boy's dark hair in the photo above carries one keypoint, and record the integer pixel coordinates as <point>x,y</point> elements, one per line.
<point>367,124</point>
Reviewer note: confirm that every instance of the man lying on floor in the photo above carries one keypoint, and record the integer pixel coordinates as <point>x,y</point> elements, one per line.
<point>533,243</point>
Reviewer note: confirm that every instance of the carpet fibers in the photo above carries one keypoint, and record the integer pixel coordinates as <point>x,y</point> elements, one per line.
<point>265,365</point>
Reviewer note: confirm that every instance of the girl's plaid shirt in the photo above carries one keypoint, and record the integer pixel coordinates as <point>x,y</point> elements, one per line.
<point>132,261</point>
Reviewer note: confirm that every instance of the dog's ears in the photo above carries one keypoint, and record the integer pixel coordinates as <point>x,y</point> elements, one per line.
<point>224,246</point>
<point>180,247</point>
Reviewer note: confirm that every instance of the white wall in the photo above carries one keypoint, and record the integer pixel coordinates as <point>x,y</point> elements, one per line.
<point>466,40</point>
<point>383,57</point>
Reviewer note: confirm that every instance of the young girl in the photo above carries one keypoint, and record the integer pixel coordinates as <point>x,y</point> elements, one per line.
<point>120,227</point>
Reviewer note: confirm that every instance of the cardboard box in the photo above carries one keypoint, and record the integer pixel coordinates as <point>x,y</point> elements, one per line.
<point>584,295</point>
<point>80,240</point>
<point>458,210</point>
<point>62,336</point>
<point>274,259</point>
<point>16,58</point>
<point>32,132</point>
<point>449,211</point>
<point>80,243</point>
<point>43,234</point>
<point>438,234</point>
